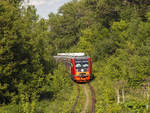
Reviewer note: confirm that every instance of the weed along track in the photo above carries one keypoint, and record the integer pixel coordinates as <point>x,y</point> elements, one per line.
<point>85,99</point>
<point>76,101</point>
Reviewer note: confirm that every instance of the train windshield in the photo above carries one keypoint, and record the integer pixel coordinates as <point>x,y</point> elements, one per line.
<point>81,64</point>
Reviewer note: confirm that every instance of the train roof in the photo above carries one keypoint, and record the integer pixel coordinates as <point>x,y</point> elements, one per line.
<point>71,56</point>
<point>84,57</point>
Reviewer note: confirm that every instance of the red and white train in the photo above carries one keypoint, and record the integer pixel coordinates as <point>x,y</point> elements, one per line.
<point>78,64</point>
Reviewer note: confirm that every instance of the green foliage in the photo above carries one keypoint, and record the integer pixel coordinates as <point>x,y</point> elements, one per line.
<point>23,66</point>
<point>135,106</point>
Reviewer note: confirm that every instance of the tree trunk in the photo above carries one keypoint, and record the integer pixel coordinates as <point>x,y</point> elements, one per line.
<point>118,96</point>
<point>147,106</point>
<point>123,96</point>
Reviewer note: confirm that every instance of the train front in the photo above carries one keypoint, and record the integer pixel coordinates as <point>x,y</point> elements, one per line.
<point>81,69</point>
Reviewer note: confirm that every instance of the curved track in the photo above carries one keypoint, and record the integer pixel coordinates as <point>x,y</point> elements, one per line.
<point>93,99</point>
<point>87,90</point>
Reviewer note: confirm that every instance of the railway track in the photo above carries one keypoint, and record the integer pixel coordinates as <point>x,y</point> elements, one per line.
<point>93,99</point>
<point>77,98</point>
<point>89,101</point>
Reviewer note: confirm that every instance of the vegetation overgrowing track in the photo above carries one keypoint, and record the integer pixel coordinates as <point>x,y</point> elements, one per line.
<point>77,98</point>
<point>86,104</point>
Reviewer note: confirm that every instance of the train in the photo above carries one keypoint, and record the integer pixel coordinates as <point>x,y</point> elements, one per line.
<point>79,66</point>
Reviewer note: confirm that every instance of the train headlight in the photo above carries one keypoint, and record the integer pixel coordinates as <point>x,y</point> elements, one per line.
<point>82,70</point>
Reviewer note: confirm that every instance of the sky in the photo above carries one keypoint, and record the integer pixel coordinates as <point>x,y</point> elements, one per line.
<point>44,7</point>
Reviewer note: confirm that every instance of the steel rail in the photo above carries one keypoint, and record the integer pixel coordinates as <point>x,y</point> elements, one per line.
<point>93,99</point>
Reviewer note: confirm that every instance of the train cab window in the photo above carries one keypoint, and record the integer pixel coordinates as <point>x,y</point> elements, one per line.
<point>78,65</point>
<point>85,65</point>
<point>81,64</point>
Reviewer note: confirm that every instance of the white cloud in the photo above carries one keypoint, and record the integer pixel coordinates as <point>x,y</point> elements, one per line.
<point>37,2</point>
<point>44,7</point>
<point>46,2</point>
